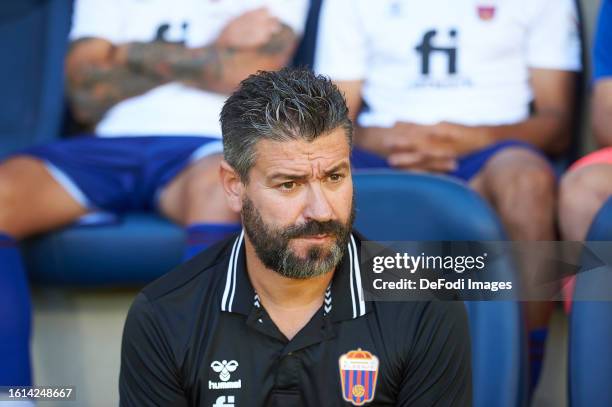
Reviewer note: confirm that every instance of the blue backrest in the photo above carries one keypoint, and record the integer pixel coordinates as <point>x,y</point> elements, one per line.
<point>394,206</point>
<point>33,39</point>
<point>590,359</point>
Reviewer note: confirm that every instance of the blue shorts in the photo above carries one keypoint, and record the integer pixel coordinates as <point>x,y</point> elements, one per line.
<point>468,165</point>
<point>121,174</point>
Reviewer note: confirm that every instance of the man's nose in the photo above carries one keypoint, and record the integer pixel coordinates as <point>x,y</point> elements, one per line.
<point>318,206</point>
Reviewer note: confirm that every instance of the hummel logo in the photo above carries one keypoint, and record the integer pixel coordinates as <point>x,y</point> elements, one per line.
<point>224,368</point>
<point>328,301</point>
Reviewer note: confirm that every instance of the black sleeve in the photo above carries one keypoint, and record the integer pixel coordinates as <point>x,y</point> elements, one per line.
<point>148,372</point>
<point>438,370</point>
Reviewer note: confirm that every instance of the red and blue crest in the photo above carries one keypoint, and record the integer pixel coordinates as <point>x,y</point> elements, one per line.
<point>486,12</point>
<point>358,374</point>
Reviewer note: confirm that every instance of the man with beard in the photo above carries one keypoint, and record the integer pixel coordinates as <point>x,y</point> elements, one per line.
<point>275,316</point>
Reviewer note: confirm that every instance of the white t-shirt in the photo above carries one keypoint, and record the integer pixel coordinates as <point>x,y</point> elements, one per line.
<point>465,61</point>
<point>171,109</point>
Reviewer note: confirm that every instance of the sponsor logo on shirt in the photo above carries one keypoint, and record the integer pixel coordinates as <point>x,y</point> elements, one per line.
<point>223,401</point>
<point>358,374</point>
<point>225,369</point>
<point>426,49</point>
<point>439,51</point>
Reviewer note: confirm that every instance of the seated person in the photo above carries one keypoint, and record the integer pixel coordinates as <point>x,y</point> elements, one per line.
<point>474,89</point>
<point>446,87</point>
<point>282,322</point>
<point>150,78</point>
<point>588,183</point>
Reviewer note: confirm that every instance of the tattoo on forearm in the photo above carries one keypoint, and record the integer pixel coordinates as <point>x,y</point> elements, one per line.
<point>203,67</point>
<point>96,89</point>
<point>176,62</point>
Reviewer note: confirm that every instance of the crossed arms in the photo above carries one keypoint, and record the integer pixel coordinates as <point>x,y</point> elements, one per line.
<point>101,74</point>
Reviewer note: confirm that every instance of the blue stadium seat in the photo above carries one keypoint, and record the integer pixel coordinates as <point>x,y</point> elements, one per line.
<point>590,353</point>
<point>33,39</point>
<point>395,206</point>
<point>132,252</point>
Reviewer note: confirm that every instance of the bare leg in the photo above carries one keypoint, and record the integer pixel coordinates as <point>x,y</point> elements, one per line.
<point>196,195</point>
<point>521,187</point>
<point>31,200</point>
<point>583,192</point>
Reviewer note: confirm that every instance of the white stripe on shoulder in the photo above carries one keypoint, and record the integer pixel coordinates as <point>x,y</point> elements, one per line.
<point>231,301</point>
<point>358,278</point>
<point>228,279</point>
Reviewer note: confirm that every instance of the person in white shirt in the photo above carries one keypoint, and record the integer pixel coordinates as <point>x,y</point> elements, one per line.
<point>149,77</point>
<point>436,85</point>
<point>476,89</point>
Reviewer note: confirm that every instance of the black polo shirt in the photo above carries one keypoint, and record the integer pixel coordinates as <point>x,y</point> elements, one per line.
<point>198,336</point>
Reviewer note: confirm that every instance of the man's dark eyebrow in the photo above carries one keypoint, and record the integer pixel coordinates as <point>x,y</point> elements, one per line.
<point>304,177</point>
<point>342,166</point>
<point>292,177</point>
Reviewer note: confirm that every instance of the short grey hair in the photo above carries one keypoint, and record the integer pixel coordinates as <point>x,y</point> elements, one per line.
<point>290,104</point>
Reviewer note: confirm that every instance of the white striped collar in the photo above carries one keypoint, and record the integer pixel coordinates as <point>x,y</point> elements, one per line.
<point>229,292</point>
<point>344,298</point>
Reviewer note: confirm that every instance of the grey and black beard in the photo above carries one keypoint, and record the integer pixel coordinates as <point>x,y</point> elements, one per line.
<point>272,245</point>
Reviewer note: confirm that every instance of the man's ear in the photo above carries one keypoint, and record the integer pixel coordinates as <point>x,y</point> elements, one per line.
<point>232,185</point>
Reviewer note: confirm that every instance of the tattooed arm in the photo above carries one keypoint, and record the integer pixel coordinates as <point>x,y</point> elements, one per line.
<point>101,74</point>
<point>213,68</point>
<point>97,80</point>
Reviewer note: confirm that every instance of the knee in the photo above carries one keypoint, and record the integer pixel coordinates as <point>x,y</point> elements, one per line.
<point>572,189</point>
<point>518,175</point>
<point>203,180</point>
<point>582,193</point>
<point>204,196</point>
<point>583,188</point>
<point>7,202</point>
<point>533,182</point>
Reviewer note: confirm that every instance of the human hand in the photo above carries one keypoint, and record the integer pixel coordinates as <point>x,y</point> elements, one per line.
<point>414,147</point>
<point>249,30</point>
<point>425,161</point>
<point>433,147</point>
<point>459,138</point>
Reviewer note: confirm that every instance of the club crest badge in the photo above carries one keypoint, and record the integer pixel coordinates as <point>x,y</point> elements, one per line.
<point>358,374</point>
<point>486,13</point>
